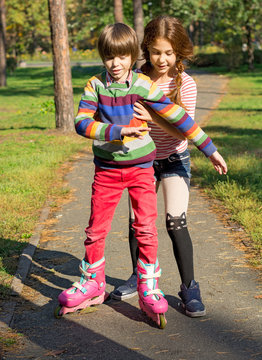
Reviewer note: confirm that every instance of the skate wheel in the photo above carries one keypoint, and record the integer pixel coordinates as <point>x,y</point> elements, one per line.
<point>162,319</point>
<point>57,312</point>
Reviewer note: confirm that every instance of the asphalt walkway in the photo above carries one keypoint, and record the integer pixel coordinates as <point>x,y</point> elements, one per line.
<point>231,329</point>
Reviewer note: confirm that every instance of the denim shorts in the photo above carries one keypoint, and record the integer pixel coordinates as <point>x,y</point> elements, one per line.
<point>177,164</point>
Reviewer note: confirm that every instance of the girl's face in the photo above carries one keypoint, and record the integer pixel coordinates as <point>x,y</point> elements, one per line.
<point>162,56</point>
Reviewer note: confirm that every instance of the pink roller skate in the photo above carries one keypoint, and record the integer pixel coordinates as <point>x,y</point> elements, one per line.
<point>151,299</point>
<point>90,290</point>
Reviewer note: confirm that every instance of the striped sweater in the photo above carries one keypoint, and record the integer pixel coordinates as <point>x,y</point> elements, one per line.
<point>113,106</point>
<point>165,143</point>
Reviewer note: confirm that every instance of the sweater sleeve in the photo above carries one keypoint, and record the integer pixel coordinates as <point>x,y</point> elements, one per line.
<point>85,124</point>
<point>178,118</point>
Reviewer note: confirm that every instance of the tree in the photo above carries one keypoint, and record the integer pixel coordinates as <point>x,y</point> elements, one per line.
<point>118,11</point>
<point>240,21</point>
<point>2,45</point>
<point>252,13</point>
<point>64,102</point>
<point>85,21</point>
<point>138,25</point>
<point>28,27</point>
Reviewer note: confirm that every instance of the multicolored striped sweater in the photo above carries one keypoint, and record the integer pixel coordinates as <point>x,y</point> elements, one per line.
<point>113,106</point>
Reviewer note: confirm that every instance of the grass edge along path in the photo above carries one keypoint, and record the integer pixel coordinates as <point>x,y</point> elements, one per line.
<point>236,128</point>
<point>28,190</point>
<point>32,153</point>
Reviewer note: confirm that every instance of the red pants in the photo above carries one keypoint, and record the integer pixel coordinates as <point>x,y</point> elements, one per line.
<point>107,189</point>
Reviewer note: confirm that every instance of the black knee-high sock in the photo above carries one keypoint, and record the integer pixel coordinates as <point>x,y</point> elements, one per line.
<point>182,246</point>
<point>134,251</point>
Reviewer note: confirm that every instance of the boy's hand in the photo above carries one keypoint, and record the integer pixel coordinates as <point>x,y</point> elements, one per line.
<point>218,163</point>
<point>134,131</point>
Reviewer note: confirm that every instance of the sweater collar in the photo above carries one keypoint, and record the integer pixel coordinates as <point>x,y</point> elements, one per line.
<point>126,84</point>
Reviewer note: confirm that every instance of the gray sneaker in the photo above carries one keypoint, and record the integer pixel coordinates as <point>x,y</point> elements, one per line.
<point>127,290</point>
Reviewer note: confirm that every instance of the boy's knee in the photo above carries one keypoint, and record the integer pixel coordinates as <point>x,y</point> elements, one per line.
<point>145,230</point>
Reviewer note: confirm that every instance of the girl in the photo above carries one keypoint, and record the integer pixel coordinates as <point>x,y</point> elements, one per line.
<point>165,46</point>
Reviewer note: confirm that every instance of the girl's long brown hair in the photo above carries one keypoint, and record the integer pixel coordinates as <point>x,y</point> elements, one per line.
<point>171,29</point>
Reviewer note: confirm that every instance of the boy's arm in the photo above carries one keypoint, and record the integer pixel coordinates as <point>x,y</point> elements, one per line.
<point>85,124</point>
<point>178,118</point>
<point>145,113</point>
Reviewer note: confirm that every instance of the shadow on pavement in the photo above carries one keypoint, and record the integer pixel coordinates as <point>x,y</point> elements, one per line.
<point>105,334</point>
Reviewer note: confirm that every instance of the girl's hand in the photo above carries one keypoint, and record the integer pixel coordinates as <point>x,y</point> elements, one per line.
<point>147,114</point>
<point>136,132</point>
<point>218,163</point>
<point>142,112</point>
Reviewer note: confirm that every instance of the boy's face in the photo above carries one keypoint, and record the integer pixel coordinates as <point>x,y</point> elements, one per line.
<point>118,66</point>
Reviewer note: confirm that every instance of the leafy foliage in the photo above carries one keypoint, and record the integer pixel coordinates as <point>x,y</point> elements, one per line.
<point>228,24</point>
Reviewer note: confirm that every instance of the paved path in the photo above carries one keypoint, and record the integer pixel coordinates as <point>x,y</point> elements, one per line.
<point>231,329</point>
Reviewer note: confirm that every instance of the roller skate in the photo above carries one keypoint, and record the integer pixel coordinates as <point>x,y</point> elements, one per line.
<point>151,299</point>
<point>90,290</point>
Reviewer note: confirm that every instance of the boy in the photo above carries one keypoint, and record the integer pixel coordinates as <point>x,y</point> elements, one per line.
<point>123,155</point>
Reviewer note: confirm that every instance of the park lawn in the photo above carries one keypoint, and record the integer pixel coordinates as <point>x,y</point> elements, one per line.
<point>31,153</point>
<point>236,129</point>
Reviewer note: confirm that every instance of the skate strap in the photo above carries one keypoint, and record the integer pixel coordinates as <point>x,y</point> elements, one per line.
<point>148,276</point>
<point>87,274</point>
<point>79,286</point>
<point>154,292</point>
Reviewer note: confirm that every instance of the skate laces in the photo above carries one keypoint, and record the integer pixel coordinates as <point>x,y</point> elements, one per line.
<point>149,276</point>
<point>85,273</point>
<point>84,278</point>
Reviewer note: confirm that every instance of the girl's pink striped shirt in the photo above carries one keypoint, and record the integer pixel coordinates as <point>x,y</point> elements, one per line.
<point>166,144</point>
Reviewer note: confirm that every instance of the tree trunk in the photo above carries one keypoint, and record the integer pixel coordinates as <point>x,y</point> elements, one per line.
<point>191,30</point>
<point>163,5</point>
<point>2,45</point>
<point>248,32</point>
<point>118,11</point>
<point>64,102</point>
<point>201,34</point>
<point>250,51</point>
<point>139,26</point>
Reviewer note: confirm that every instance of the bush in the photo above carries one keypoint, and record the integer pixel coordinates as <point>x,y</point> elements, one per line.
<point>215,59</point>
<point>258,56</point>
<point>231,60</point>
<point>11,64</point>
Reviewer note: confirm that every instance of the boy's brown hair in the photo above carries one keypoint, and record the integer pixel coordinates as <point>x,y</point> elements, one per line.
<point>116,40</point>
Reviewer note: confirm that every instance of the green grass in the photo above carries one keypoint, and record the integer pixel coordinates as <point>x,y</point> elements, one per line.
<point>31,152</point>
<point>236,129</point>
<point>9,338</point>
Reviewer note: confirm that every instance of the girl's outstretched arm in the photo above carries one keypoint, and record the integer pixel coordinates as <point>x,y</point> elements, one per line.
<point>218,163</point>
<point>144,112</point>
